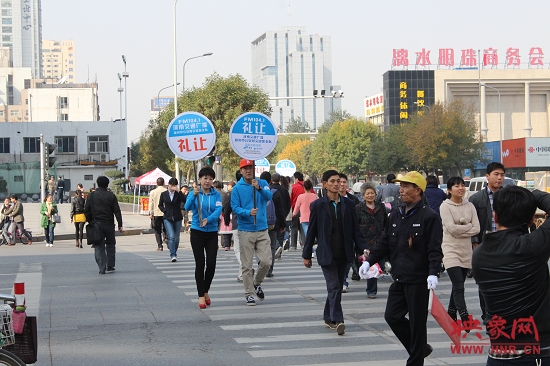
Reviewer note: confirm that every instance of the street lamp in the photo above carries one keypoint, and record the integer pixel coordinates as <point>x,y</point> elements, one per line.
<point>499,117</point>
<point>120,90</point>
<point>423,105</point>
<point>176,164</point>
<point>158,95</point>
<point>183,78</point>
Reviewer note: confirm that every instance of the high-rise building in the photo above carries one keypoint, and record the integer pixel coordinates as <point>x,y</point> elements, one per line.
<point>58,60</point>
<point>21,31</point>
<point>290,63</point>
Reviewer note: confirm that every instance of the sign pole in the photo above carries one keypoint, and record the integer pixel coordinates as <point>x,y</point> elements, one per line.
<point>254,189</point>
<point>198,198</point>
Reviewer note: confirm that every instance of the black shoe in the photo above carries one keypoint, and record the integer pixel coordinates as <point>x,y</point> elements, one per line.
<point>452,313</point>
<point>269,274</point>
<point>101,271</point>
<point>340,328</point>
<point>110,269</point>
<point>330,325</point>
<point>465,317</point>
<point>428,351</point>
<point>355,276</point>
<point>469,274</point>
<point>259,292</point>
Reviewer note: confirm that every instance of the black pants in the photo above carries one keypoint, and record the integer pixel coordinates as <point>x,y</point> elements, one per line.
<point>105,250</point>
<point>411,298</point>
<point>334,277</point>
<point>157,223</point>
<point>457,276</point>
<point>79,230</point>
<point>226,240</point>
<point>295,230</point>
<point>202,242</point>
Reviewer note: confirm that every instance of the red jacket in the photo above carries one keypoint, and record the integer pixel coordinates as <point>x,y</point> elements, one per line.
<point>297,189</point>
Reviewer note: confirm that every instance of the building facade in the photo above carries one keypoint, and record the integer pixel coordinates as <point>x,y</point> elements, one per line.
<point>158,103</point>
<point>21,32</point>
<point>291,63</point>
<point>58,60</point>
<point>84,151</point>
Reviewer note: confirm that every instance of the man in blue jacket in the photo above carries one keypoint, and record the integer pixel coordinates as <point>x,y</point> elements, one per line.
<point>253,235</point>
<point>334,224</point>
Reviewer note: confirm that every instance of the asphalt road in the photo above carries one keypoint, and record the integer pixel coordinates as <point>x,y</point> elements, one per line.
<point>147,312</point>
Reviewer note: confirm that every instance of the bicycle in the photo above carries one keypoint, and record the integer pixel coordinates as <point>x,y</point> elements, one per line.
<point>7,335</point>
<point>5,237</point>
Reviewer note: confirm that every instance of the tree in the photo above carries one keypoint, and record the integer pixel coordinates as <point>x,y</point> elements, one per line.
<point>389,152</point>
<point>118,180</point>
<point>334,116</point>
<point>221,100</point>
<point>295,151</point>
<point>296,125</point>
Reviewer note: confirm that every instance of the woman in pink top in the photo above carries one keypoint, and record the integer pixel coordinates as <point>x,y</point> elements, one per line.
<point>302,205</point>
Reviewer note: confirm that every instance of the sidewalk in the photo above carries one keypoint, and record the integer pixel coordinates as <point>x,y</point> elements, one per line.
<point>133,224</point>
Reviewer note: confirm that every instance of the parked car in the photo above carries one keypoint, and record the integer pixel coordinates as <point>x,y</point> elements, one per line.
<point>477,184</point>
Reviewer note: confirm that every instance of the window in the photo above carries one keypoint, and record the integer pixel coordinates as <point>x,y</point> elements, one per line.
<point>6,4</point>
<point>66,144</point>
<point>14,113</point>
<point>64,117</point>
<point>98,144</point>
<point>63,103</point>
<point>1,113</point>
<point>31,145</point>
<point>88,177</point>
<point>6,12</point>
<point>4,145</point>
<point>17,178</point>
<point>6,38</point>
<point>70,69</point>
<point>6,30</point>
<point>6,20</point>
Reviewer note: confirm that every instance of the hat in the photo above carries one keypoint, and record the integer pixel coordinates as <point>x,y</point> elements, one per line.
<point>413,177</point>
<point>245,162</point>
<point>357,187</point>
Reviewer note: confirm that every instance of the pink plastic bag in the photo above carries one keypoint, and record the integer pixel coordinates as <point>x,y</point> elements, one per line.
<point>18,318</point>
<point>374,271</point>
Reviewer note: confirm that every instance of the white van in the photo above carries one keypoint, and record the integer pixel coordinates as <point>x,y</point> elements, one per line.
<point>477,184</point>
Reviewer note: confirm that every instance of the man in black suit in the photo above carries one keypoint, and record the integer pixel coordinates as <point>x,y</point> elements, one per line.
<point>334,224</point>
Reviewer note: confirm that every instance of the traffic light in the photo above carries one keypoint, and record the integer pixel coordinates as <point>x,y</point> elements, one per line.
<point>211,158</point>
<point>49,149</point>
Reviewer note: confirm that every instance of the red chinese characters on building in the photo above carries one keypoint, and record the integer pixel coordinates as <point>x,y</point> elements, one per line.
<point>446,57</point>
<point>490,57</point>
<point>512,57</point>
<point>400,57</point>
<point>468,58</point>
<point>423,58</point>
<point>535,56</point>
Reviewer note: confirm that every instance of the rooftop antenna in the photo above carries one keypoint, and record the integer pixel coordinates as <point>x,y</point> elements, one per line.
<point>289,13</point>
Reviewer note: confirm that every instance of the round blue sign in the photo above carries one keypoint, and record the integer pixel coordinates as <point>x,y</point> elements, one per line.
<point>191,136</point>
<point>253,135</point>
<point>285,167</point>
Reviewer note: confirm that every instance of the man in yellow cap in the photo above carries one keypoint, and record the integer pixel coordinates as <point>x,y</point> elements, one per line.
<point>412,242</point>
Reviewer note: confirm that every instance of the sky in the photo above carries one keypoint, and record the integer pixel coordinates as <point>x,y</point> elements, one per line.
<point>364,34</point>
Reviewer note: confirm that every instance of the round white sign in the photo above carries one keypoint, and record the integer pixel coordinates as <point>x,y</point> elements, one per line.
<point>285,167</point>
<point>191,136</point>
<point>253,135</point>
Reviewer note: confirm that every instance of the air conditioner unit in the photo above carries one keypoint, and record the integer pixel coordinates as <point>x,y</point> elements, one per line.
<point>103,157</point>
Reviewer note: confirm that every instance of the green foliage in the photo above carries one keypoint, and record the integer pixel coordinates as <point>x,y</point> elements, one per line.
<point>126,198</point>
<point>296,125</point>
<point>114,174</point>
<point>220,99</point>
<point>337,115</point>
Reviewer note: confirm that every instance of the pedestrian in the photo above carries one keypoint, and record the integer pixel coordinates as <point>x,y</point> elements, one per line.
<point>155,213</point>
<point>333,223</point>
<point>276,223</point>
<point>185,190</point>
<point>60,189</point>
<point>253,236</point>
<point>15,212</point>
<point>78,204</point>
<point>204,231</point>
<point>302,207</point>
<point>101,208</point>
<point>295,227</point>
<point>354,265</point>
<point>276,180</point>
<point>434,195</point>
<point>47,210</point>
<point>170,205</point>
<point>52,185</point>
<point>226,227</point>
<point>412,242</point>
<point>483,202</point>
<point>232,219</point>
<point>285,183</point>
<point>5,220</point>
<point>372,222</point>
<point>510,267</point>
<point>389,193</point>
<point>225,237</point>
<point>460,222</point>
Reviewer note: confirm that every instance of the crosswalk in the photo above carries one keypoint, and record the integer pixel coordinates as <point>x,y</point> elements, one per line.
<point>287,328</point>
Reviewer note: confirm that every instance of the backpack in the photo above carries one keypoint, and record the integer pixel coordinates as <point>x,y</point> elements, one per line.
<point>270,212</point>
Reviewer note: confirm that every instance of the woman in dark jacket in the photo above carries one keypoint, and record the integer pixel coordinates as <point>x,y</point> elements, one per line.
<point>373,219</point>
<point>170,202</point>
<point>78,217</point>
<point>433,193</point>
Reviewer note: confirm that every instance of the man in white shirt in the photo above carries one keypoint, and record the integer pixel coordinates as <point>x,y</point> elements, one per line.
<point>156,214</point>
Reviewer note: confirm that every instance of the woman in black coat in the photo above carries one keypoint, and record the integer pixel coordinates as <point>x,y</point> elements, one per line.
<point>78,217</point>
<point>170,203</point>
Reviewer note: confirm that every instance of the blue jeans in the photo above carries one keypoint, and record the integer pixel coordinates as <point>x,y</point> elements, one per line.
<point>305,226</point>
<point>173,229</point>
<point>48,233</point>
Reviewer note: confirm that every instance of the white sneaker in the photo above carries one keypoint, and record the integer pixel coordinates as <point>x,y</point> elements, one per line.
<point>313,255</point>
<point>344,289</point>
<point>51,245</point>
